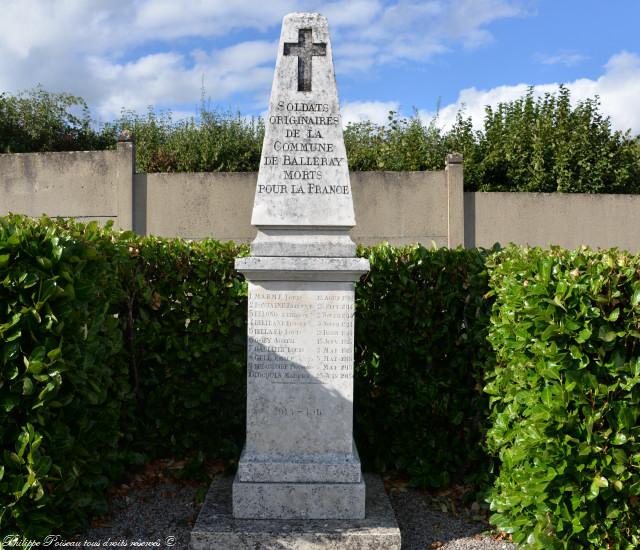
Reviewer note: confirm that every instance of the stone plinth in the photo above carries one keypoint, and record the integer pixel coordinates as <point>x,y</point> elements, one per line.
<point>300,460</point>
<point>217,529</point>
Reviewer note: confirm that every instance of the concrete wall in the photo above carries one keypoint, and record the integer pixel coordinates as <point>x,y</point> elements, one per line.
<point>540,219</point>
<point>399,207</point>
<point>195,206</point>
<point>402,208</point>
<point>87,185</point>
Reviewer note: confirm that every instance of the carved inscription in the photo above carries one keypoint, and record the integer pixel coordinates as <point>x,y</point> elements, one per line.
<point>292,411</point>
<point>302,151</point>
<point>300,337</point>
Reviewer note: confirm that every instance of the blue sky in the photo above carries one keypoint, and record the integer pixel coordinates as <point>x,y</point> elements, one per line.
<point>389,55</point>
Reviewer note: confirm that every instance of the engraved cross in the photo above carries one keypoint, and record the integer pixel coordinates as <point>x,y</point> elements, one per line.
<point>305,49</point>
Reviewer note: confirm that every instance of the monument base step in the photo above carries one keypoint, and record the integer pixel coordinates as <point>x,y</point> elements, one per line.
<point>300,468</point>
<point>217,529</point>
<point>287,500</point>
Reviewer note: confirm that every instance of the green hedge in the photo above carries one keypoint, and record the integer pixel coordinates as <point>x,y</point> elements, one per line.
<point>421,320</point>
<point>64,391</point>
<point>565,397</point>
<point>186,330</point>
<point>115,349</point>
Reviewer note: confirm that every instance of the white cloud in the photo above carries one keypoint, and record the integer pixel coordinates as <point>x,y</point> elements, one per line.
<point>466,19</point>
<point>564,57</point>
<point>183,115</point>
<point>118,53</point>
<point>358,13</point>
<point>618,88</point>
<point>418,30</point>
<point>168,19</point>
<point>374,111</point>
<point>151,79</point>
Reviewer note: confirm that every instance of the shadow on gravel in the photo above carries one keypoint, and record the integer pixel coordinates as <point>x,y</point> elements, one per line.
<point>425,527</point>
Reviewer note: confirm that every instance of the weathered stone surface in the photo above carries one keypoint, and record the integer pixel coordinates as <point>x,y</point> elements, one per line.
<point>217,529</point>
<point>300,403</point>
<point>282,500</point>
<point>300,368</point>
<point>304,178</point>
<point>298,468</point>
<point>325,242</point>
<point>286,268</point>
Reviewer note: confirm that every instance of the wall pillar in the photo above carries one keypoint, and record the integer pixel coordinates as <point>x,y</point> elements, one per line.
<point>125,171</point>
<point>455,200</point>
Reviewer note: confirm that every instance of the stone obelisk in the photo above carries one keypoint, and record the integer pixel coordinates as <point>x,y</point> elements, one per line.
<point>299,460</point>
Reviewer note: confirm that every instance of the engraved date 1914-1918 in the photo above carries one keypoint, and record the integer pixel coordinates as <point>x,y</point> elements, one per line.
<point>302,411</point>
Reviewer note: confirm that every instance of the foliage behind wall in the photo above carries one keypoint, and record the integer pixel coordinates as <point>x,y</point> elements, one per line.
<point>546,144</point>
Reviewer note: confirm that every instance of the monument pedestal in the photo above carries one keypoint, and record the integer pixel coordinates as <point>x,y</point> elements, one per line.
<point>300,460</point>
<point>310,500</point>
<point>217,528</point>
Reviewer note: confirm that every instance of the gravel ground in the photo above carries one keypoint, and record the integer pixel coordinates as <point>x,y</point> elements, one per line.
<point>161,515</point>
<point>424,526</point>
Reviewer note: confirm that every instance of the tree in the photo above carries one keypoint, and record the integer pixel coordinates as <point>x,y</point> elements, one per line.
<point>38,120</point>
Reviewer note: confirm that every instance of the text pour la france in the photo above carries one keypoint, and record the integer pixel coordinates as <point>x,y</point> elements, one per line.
<point>300,189</point>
